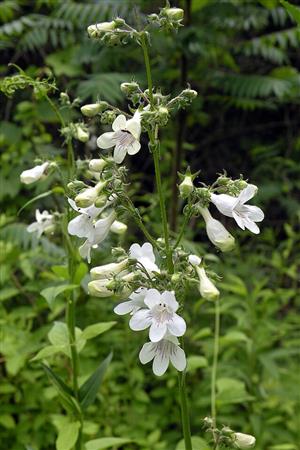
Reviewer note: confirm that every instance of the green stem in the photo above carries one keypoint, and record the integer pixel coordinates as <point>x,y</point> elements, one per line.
<point>184,225</point>
<point>184,412</point>
<point>215,364</point>
<point>154,145</point>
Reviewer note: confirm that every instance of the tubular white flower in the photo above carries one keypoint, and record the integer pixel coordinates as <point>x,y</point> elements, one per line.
<point>44,223</point>
<point>217,233</point>
<point>96,29</point>
<point>206,287</point>
<point>124,137</point>
<point>90,110</point>
<point>244,441</point>
<point>82,225</point>
<point>145,256</point>
<point>107,270</point>
<point>81,134</point>
<point>162,353</point>
<point>135,302</point>
<point>100,231</point>
<point>89,195</point>
<point>244,215</point>
<point>36,173</point>
<point>160,316</point>
<point>118,227</point>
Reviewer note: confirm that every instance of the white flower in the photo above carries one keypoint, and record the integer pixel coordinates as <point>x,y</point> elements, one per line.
<point>194,260</point>
<point>244,215</point>
<point>244,440</point>
<point>44,222</point>
<point>118,227</point>
<point>82,225</point>
<point>100,231</point>
<point>100,272</point>
<point>31,175</point>
<point>103,288</point>
<point>144,255</point>
<point>90,110</point>
<point>135,303</point>
<point>97,165</point>
<point>162,353</point>
<point>124,137</point>
<point>160,316</point>
<point>96,29</point>
<point>217,233</point>
<point>206,287</point>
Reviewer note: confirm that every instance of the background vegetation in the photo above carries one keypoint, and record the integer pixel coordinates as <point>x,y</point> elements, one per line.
<point>243,59</point>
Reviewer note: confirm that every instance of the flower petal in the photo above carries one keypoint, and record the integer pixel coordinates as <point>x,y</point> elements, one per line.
<point>134,126</point>
<point>247,193</point>
<point>254,213</point>
<point>160,363</point>
<point>85,250</point>
<point>177,325</point>
<point>157,331</point>
<point>224,203</point>
<point>239,220</point>
<point>119,123</point>
<point>135,251</point>
<point>106,140</point>
<point>147,251</point>
<point>140,320</point>
<point>119,154</point>
<point>124,308</point>
<point>134,148</point>
<point>251,226</point>
<point>169,298</point>
<point>80,226</point>
<point>147,352</point>
<point>178,358</point>
<point>153,297</point>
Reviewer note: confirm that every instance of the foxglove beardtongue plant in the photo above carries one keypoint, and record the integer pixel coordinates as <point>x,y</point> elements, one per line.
<point>149,286</point>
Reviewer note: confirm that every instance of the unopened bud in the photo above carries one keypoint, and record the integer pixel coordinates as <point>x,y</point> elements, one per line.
<point>97,29</point>
<point>206,287</point>
<point>129,88</point>
<point>99,288</point>
<point>97,165</point>
<point>186,187</point>
<point>108,270</point>
<point>90,110</point>
<point>81,134</point>
<point>244,441</point>
<point>118,227</point>
<point>216,232</point>
<point>189,94</point>
<point>89,196</point>
<point>100,201</point>
<point>194,260</point>
<point>174,13</point>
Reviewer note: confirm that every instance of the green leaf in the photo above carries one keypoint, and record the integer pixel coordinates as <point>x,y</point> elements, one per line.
<point>51,293</point>
<point>7,421</point>
<point>197,443</point>
<point>89,390</point>
<point>99,444</point>
<point>233,336</point>
<point>46,351</point>
<point>196,362</point>
<point>231,391</point>
<point>59,337</point>
<point>293,10</point>
<point>67,436</point>
<point>64,391</point>
<point>7,293</point>
<point>98,328</point>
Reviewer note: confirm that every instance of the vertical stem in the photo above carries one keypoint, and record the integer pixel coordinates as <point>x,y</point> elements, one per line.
<point>154,144</point>
<point>215,364</point>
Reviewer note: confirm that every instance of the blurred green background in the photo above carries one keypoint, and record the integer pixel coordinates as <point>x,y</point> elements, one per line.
<point>243,58</point>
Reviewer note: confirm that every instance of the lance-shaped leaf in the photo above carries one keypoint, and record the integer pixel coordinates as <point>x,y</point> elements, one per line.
<point>66,397</point>
<point>88,391</point>
<point>102,443</point>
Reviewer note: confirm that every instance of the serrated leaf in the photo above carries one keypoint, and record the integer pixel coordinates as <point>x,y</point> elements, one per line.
<point>100,444</point>
<point>98,328</point>
<point>67,436</point>
<point>89,390</point>
<point>51,293</point>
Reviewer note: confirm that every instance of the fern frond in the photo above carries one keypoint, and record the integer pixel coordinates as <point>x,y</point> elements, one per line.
<point>105,86</point>
<point>8,8</point>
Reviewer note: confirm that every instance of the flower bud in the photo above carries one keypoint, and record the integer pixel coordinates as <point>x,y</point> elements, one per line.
<point>99,288</point>
<point>97,29</point>
<point>81,134</point>
<point>217,233</point>
<point>206,287</point>
<point>34,174</point>
<point>97,165</point>
<point>88,197</point>
<point>129,88</point>
<point>189,94</point>
<point>119,22</point>
<point>108,270</point>
<point>90,110</point>
<point>118,227</point>
<point>244,440</point>
<point>174,13</point>
<point>100,201</point>
<point>222,180</point>
<point>194,260</point>
<point>186,187</point>
<point>176,277</point>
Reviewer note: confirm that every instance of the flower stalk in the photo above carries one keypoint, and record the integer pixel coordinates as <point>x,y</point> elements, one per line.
<point>214,369</point>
